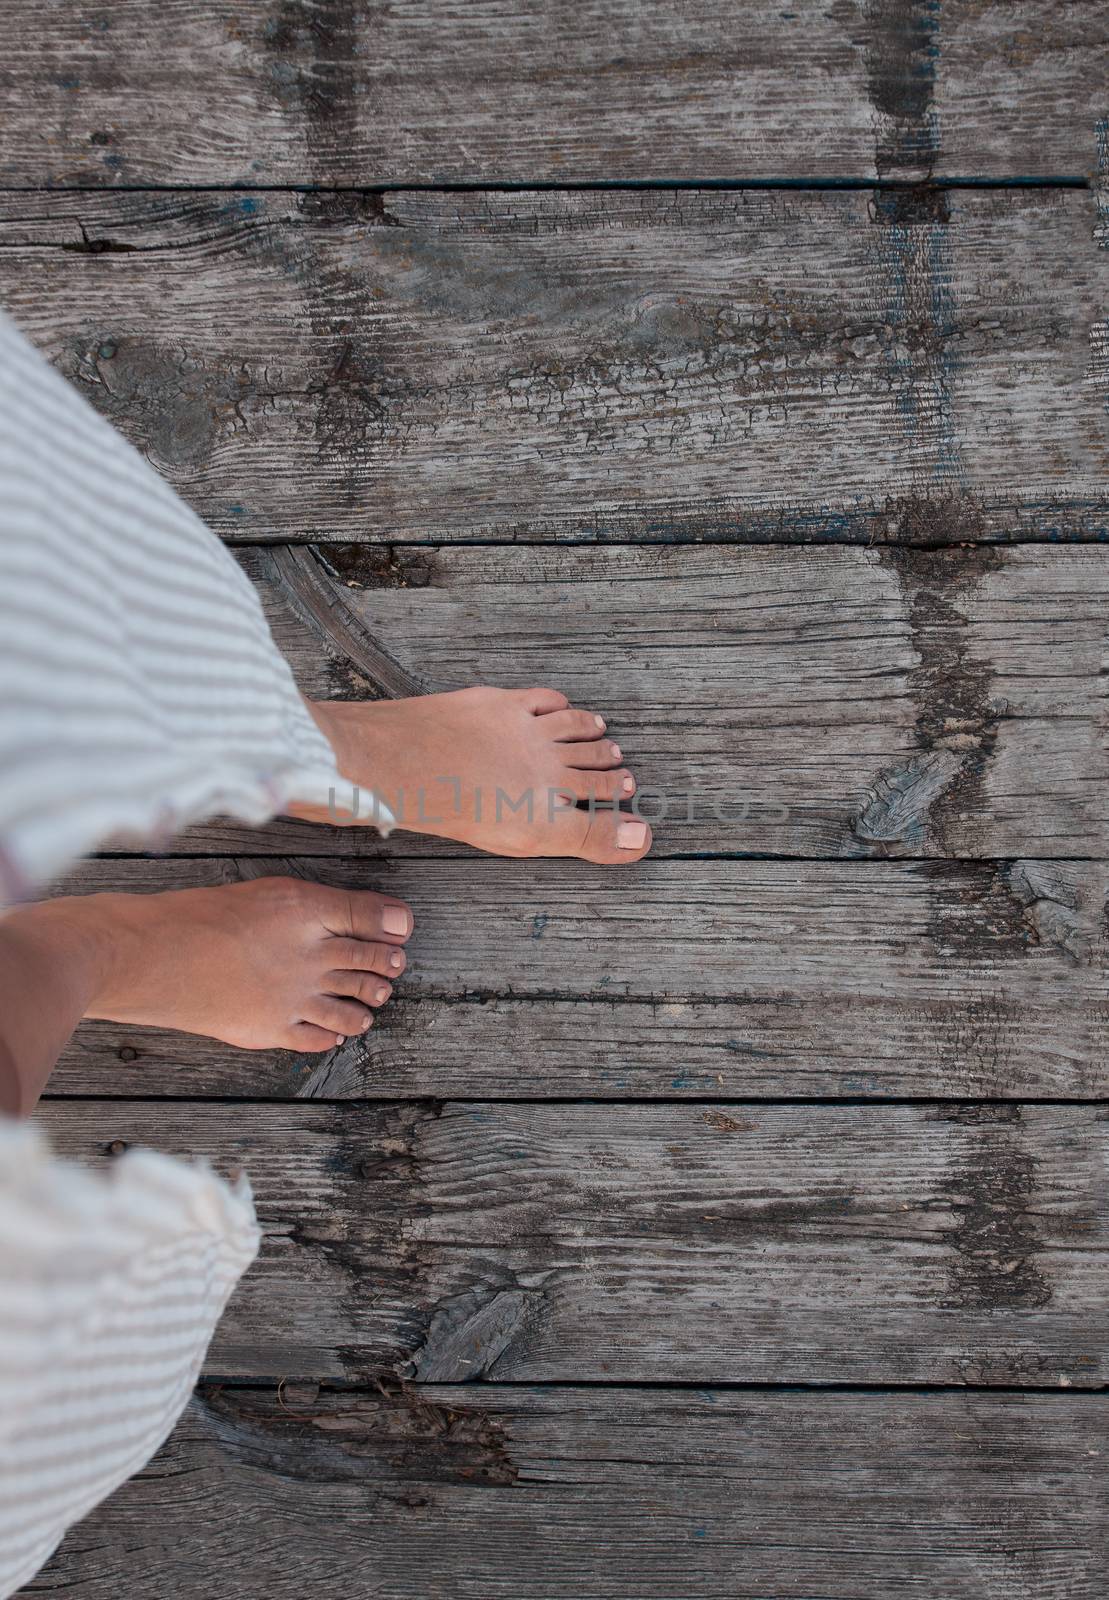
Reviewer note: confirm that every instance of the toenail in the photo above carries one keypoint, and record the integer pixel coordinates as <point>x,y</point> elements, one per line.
<point>365,1023</point>
<point>394,919</point>
<point>381,996</point>
<point>616,752</point>
<point>340,1038</point>
<point>630,835</point>
<point>396,959</point>
<point>601,723</point>
<point>628,785</point>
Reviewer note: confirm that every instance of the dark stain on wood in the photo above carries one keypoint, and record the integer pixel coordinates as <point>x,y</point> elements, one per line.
<point>353,417</point>
<point>974,918</point>
<point>360,566</point>
<point>381,1442</point>
<point>312,47</point>
<point>901,58</point>
<point>994,1239</point>
<point>915,205</point>
<point>957,719</point>
<point>344,206</point>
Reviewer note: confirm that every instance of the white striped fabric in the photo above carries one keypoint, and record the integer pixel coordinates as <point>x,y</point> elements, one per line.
<point>141,689</point>
<point>112,1285</point>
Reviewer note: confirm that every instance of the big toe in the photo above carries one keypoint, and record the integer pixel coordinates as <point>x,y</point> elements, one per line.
<point>609,838</point>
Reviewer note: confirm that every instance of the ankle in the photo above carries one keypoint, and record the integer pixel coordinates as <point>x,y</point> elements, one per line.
<point>53,958</point>
<point>348,731</point>
<point>352,737</point>
<point>80,938</point>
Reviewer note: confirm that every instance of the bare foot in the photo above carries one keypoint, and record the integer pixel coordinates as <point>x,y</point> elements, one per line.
<point>517,772</point>
<point>273,963</point>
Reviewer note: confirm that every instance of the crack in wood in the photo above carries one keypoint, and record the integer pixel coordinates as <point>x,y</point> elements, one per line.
<point>1052,898</point>
<point>313,597</point>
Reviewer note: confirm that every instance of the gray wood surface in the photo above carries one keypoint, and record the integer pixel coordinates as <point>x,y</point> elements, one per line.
<point>821,702</point>
<point>608,1494</point>
<point>580,366</point>
<point>780,1244</point>
<point>701,978</point>
<point>566,1153</point>
<point>287,91</point>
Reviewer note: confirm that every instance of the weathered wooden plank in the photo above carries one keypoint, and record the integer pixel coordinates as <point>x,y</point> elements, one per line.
<point>951,1243</point>
<point>283,91</point>
<point>706,978</point>
<point>824,702</point>
<point>699,1494</point>
<point>922,366</point>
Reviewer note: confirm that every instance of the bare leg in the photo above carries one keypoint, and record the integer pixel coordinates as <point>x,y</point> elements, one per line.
<point>274,963</point>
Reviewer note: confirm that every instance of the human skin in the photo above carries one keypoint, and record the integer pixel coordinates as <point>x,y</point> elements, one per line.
<point>279,963</point>
<point>441,761</point>
<point>274,963</point>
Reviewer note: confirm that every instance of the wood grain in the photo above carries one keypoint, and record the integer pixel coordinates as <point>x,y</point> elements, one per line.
<point>703,978</point>
<point>809,702</point>
<point>284,91</point>
<point>590,366</point>
<point>876,1244</point>
<point>708,1493</point>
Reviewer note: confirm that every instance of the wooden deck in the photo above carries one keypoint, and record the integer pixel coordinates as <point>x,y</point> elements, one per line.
<point>735,1227</point>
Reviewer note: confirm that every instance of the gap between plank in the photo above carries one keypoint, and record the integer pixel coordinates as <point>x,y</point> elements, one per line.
<point>1063,180</point>
<point>1000,862</point>
<point>355,1387</point>
<point>698,542</point>
<point>439,1101</point>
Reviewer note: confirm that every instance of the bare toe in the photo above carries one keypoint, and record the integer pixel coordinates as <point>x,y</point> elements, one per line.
<point>362,914</point>
<point>364,986</point>
<point>594,753</point>
<point>307,1038</point>
<point>358,956</point>
<point>618,785</point>
<point>573,724</point>
<point>343,1018</point>
<point>609,838</point>
<point>540,700</point>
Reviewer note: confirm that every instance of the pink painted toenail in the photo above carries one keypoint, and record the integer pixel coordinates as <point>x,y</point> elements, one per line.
<point>630,835</point>
<point>628,785</point>
<point>601,723</point>
<point>616,752</point>
<point>394,919</point>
